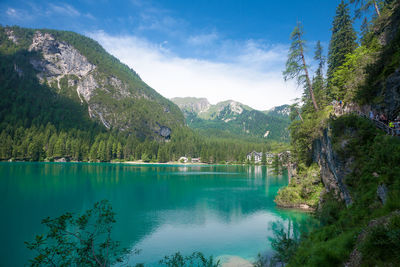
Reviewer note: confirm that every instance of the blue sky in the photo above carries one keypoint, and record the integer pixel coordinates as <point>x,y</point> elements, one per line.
<point>219,49</point>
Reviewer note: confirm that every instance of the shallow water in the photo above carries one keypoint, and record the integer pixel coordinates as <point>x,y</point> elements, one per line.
<point>222,211</point>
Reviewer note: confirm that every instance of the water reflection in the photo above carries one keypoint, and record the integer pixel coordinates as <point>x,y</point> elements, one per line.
<point>160,209</point>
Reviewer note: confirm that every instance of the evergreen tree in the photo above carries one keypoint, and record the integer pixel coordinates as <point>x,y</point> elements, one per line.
<point>102,151</point>
<point>93,152</point>
<point>296,66</point>
<point>343,40</point>
<point>263,158</point>
<point>318,80</point>
<point>365,5</point>
<point>162,154</point>
<point>365,30</point>
<point>119,151</point>
<point>276,165</point>
<point>59,147</point>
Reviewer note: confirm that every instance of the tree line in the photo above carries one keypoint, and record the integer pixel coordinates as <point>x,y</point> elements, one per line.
<point>39,143</point>
<point>350,60</point>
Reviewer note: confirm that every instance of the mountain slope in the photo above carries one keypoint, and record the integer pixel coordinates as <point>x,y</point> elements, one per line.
<point>76,80</point>
<point>233,119</point>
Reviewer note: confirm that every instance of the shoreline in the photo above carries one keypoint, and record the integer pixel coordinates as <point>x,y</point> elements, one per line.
<point>298,207</point>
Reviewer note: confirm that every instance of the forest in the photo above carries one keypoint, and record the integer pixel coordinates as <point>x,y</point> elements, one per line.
<point>40,122</point>
<point>358,225</point>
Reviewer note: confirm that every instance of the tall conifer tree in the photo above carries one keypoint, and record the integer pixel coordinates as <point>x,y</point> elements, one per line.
<point>318,80</point>
<point>366,4</point>
<point>343,39</point>
<point>296,66</point>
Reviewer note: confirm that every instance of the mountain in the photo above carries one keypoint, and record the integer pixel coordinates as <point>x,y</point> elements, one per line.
<point>69,80</point>
<point>235,120</point>
<point>279,111</point>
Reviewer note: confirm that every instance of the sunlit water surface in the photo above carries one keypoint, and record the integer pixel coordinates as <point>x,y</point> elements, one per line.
<point>222,211</point>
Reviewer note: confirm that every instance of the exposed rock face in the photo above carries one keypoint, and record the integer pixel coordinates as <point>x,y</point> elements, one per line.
<point>192,104</point>
<point>60,57</point>
<point>11,36</point>
<point>392,94</point>
<point>236,107</point>
<point>382,192</point>
<point>389,85</point>
<point>77,71</point>
<point>164,131</point>
<point>333,170</point>
<point>60,60</point>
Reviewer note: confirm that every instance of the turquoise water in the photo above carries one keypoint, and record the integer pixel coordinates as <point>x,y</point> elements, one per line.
<point>161,209</point>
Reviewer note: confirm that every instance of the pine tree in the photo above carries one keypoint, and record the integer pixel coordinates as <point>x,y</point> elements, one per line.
<point>365,5</point>
<point>263,158</point>
<point>276,165</point>
<point>102,151</point>
<point>318,80</point>
<point>119,151</point>
<point>162,154</point>
<point>343,40</point>
<point>296,66</point>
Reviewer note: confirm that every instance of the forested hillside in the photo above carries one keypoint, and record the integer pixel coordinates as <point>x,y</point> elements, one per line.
<point>64,97</point>
<point>78,70</point>
<point>341,155</point>
<point>232,119</point>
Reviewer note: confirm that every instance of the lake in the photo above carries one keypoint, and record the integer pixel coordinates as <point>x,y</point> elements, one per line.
<point>222,211</point>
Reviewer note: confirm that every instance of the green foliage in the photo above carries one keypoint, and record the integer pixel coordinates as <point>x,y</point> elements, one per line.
<point>373,152</point>
<point>371,157</point>
<point>318,83</point>
<point>304,132</point>
<point>40,122</point>
<point>294,64</point>
<point>296,67</point>
<point>347,78</point>
<point>249,125</point>
<point>364,5</point>
<point>284,247</point>
<point>263,158</point>
<point>83,240</point>
<point>343,40</point>
<point>387,57</point>
<point>196,259</point>
<point>381,246</point>
<point>302,189</point>
<point>26,100</point>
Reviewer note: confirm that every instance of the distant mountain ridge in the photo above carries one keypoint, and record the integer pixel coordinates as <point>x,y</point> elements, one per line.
<point>233,119</point>
<point>49,65</point>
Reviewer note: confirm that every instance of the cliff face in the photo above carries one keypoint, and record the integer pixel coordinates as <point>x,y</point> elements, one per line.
<point>384,75</point>
<point>332,169</point>
<point>77,67</point>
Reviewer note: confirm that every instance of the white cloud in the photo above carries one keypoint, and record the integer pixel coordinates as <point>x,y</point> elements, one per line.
<point>245,79</point>
<point>203,39</point>
<point>12,12</point>
<point>63,9</point>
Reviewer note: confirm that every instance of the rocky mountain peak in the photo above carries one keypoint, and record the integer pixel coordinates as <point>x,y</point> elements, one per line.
<point>80,71</point>
<point>192,104</point>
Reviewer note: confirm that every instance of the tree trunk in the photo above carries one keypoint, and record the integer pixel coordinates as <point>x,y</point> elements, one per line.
<point>308,79</point>
<point>298,113</point>
<point>376,8</point>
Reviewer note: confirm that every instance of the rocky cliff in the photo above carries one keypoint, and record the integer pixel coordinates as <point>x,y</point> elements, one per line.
<point>332,169</point>
<point>382,87</point>
<point>77,67</point>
